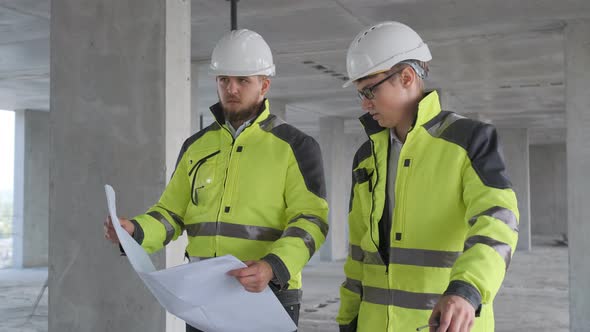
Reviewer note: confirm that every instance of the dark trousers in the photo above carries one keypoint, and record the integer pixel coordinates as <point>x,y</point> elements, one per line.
<point>292,310</point>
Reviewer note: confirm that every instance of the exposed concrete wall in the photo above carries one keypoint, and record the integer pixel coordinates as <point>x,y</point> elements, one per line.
<point>179,113</point>
<point>515,144</point>
<point>332,141</point>
<point>31,188</point>
<point>278,107</point>
<point>19,189</point>
<point>548,189</point>
<point>111,65</point>
<point>36,193</point>
<point>195,111</point>
<point>577,99</point>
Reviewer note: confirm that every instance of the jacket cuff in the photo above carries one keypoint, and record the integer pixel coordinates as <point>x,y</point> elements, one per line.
<point>466,291</point>
<point>137,236</point>
<point>351,327</point>
<point>138,232</point>
<point>281,273</point>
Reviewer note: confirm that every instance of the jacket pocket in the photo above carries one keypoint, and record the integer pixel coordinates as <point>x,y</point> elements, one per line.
<point>201,174</point>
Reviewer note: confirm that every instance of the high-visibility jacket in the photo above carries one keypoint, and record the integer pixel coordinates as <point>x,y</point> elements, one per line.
<point>453,228</point>
<point>258,196</point>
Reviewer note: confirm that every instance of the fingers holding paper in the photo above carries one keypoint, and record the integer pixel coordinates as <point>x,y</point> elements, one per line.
<point>109,229</point>
<point>255,277</point>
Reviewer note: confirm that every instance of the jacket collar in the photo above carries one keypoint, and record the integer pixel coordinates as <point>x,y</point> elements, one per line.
<point>428,108</point>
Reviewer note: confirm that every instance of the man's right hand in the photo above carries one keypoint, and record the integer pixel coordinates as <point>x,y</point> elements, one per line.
<point>109,229</point>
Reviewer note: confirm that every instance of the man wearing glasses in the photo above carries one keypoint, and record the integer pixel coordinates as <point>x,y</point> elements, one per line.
<point>433,219</point>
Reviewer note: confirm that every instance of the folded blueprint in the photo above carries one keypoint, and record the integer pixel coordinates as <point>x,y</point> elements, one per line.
<point>201,293</point>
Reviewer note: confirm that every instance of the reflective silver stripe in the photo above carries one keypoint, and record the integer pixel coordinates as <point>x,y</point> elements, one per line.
<point>502,248</point>
<point>176,218</point>
<point>169,229</point>
<point>302,234</point>
<point>367,257</point>
<point>440,127</point>
<point>248,232</point>
<point>399,298</point>
<point>416,257</point>
<point>500,213</point>
<point>313,219</point>
<point>355,253</point>
<point>353,285</point>
<point>423,257</point>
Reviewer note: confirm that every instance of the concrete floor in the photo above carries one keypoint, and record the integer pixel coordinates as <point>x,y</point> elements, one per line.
<point>18,291</point>
<point>534,296</point>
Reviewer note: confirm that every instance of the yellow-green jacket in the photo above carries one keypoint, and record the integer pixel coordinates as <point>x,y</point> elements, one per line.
<point>453,229</point>
<point>259,196</point>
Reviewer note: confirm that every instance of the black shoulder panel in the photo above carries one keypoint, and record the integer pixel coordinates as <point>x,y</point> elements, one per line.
<point>308,155</point>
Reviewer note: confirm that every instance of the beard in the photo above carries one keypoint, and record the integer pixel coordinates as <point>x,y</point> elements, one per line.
<point>242,114</point>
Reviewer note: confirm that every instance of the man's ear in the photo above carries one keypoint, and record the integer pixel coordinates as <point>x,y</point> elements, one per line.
<point>265,85</point>
<point>407,76</point>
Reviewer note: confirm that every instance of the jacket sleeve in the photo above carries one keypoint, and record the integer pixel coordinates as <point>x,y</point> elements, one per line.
<point>163,222</point>
<point>351,288</point>
<point>306,212</point>
<point>492,218</point>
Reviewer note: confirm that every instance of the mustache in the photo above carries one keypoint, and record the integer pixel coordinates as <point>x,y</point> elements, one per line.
<point>229,97</point>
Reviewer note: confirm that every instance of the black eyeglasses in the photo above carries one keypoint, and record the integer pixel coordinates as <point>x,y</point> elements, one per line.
<point>367,92</point>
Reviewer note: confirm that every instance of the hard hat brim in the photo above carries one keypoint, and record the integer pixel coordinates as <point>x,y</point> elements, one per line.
<point>268,71</point>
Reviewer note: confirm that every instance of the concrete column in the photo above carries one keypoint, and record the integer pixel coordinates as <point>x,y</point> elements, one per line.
<point>548,189</point>
<point>332,142</point>
<point>515,143</point>
<point>115,69</point>
<point>195,111</point>
<point>18,205</point>
<point>279,108</point>
<point>179,115</point>
<point>577,57</point>
<point>31,189</point>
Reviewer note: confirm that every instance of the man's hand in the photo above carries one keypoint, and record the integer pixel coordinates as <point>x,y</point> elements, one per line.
<point>109,229</point>
<point>255,277</point>
<point>455,314</point>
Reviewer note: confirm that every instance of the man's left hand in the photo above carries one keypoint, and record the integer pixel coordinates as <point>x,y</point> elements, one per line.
<point>455,313</point>
<point>255,277</point>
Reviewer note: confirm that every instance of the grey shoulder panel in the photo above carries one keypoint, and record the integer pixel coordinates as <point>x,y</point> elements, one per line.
<point>441,122</point>
<point>479,139</point>
<point>308,155</point>
<point>271,122</point>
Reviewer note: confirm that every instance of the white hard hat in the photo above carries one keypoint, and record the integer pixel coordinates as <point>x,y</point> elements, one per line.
<point>381,47</point>
<point>242,53</point>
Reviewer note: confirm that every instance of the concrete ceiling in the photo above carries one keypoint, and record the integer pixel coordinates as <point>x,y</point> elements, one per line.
<point>498,60</point>
<point>24,54</point>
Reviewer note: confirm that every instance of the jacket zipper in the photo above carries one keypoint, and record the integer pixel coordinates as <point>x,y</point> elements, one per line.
<point>406,163</point>
<point>391,210</point>
<point>372,194</point>
<point>223,190</point>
